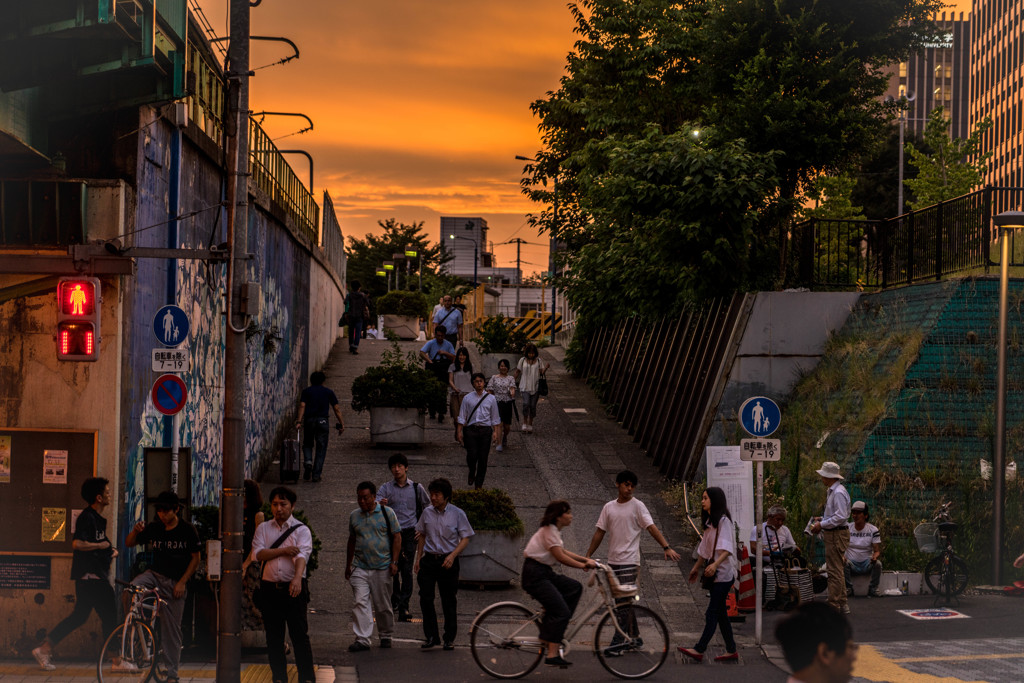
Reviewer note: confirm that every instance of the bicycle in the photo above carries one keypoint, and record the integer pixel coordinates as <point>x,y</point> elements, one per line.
<point>132,652</point>
<point>946,573</point>
<point>505,640</point>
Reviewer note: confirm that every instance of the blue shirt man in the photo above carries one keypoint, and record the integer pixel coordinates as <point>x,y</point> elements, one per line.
<point>374,545</point>
<point>450,319</point>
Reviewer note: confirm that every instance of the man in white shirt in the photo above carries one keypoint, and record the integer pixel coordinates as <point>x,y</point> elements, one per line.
<point>776,537</point>
<point>833,523</point>
<point>817,643</point>
<point>284,593</point>
<point>479,424</point>
<point>862,557</point>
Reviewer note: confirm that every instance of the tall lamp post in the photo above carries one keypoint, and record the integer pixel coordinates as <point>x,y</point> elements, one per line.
<point>1006,222</point>
<point>389,266</point>
<point>554,246</point>
<point>411,253</point>
<point>400,256</point>
<point>476,252</point>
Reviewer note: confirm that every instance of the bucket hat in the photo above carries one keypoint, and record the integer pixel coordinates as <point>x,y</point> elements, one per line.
<point>830,470</point>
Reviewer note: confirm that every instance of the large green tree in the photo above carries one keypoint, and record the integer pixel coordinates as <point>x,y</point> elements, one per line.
<point>788,88</point>
<point>366,255</point>
<point>950,166</point>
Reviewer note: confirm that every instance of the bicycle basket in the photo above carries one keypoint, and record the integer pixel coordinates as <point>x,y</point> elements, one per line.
<point>927,537</point>
<point>620,590</point>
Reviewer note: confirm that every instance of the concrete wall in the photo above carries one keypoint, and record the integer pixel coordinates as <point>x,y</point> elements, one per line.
<point>783,338</point>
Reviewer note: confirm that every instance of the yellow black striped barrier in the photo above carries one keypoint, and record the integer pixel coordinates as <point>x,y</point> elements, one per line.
<point>537,324</point>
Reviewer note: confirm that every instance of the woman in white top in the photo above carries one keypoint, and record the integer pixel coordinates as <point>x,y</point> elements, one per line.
<point>528,374</point>
<point>718,547</point>
<point>558,594</point>
<point>460,383</point>
<point>503,386</point>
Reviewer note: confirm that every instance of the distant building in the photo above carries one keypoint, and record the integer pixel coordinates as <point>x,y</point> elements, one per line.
<point>997,87</point>
<point>465,238</point>
<point>938,75</point>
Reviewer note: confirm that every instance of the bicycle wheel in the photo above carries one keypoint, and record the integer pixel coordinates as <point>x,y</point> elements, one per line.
<point>940,579</point>
<point>505,640</point>
<point>639,655</point>
<point>127,656</point>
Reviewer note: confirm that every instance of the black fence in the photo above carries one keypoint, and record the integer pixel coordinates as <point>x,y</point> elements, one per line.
<point>949,238</point>
<point>663,381</point>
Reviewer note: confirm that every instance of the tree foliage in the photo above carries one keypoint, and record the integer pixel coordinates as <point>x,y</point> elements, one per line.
<point>953,167</point>
<point>366,255</point>
<point>778,92</point>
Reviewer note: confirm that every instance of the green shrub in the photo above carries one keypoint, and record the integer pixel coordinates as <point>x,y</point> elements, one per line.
<point>398,382</point>
<point>489,510</point>
<point>411,304</point>
<point>496,335</point>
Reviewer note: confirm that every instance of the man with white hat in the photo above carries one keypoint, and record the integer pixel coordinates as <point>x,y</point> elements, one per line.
<point>834,525</point>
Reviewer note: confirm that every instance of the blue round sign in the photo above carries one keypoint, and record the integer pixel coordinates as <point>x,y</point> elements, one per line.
<point>760,416</point>
<point>171,325</point>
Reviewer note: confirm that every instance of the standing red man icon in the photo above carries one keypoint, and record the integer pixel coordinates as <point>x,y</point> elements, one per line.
<point>77,300</point>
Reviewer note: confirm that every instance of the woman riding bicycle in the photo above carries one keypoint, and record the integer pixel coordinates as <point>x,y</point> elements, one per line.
<point>558,594</point>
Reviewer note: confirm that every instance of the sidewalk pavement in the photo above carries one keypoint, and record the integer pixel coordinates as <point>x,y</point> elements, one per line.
<point>575,453</point>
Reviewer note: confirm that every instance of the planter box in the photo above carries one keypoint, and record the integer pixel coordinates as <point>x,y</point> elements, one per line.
<point>396,426</point>
<point>492,557</point>
<point>402,325</point>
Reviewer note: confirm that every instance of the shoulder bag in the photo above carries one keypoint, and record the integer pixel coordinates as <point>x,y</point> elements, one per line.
<point>542,386</point>
<point>257,593</point>
<point>707,582</point>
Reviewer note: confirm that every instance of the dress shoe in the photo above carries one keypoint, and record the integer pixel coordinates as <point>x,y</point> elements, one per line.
<point>557,661</point>
<point>691,653</point>
<point>448,645</point>
<point>385,643</point>
<point>403,615</point>
<point>358,647</point>
<point>429,643</point>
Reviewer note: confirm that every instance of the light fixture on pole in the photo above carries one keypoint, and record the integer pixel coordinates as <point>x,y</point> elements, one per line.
<point>400,256</point>
<point>411,253</point>
<point>476,251</point>
<point>389,266</point>
<point>1006,222</point>
<point>553,248</point>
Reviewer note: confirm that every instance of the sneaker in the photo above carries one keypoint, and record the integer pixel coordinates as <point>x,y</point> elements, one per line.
<point>360,647</point>
<point>526,428</point>
<point>845,609</point>
<point>385,643</point>
<point>500,448</point>
<point>125,667</point>
<point>45,663</point>
<point>557,661</point>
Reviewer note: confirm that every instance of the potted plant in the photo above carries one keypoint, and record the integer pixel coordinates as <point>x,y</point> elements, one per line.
<point>401,311</point>
<point>494,553</point>
<point>398,393</point>
<point>497,338</point>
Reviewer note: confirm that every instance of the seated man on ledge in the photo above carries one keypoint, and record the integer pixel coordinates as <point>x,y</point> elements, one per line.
<point>864,551</point>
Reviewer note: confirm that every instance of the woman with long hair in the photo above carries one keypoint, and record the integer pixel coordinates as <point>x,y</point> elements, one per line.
<point>558,594</point>
<point>460,382</point>
<point>528,373</point>
<point>718,548</point>
<point>503,386</point>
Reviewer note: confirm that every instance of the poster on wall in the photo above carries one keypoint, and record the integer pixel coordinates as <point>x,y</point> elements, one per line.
<point>5,460</point>
<point>55,467</point>
<point>54,523</point>
<point>736,478</point>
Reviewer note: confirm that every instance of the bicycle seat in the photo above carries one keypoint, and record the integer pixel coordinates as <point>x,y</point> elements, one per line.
<point>946,527</point>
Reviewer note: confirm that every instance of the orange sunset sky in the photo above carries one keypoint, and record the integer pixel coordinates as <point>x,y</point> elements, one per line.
<point>419,107</point>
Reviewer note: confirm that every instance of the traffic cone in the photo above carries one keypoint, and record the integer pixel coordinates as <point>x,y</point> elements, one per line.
<point>747,601</point>
<point>732,613</point>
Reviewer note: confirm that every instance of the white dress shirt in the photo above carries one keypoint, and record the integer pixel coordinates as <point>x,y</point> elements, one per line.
<point>485,416</point>
<point>282,569</point>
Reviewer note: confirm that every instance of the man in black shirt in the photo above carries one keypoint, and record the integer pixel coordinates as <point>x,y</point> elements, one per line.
<point>315,405</point>
<point>90,569</point>
<point>357,306</point>
<point>175,546</point>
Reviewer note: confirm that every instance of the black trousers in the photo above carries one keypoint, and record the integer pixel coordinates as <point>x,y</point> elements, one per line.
<point>446,581</point>
<point>717,615</point>
<point>558,594</point>
<point>477,440</point>
<point>401,590</point>
<point>280,609</point>
<point>90,594</point>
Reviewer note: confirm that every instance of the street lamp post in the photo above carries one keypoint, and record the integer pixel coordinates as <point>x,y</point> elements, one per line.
<point>476,251</point>
<point>400,256</point>
<point>1006,222</point>
<point>411,253</point>
<point>390,266</point>
<point>553,247</point>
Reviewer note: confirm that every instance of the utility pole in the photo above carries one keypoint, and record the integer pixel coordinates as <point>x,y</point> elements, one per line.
<point>519,272</point>
<point>229,636</point>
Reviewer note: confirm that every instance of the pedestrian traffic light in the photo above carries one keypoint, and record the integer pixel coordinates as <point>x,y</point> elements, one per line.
<point>78,318</point>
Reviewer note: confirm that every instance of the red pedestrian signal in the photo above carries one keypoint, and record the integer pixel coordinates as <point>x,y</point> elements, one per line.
<point>78,318</point>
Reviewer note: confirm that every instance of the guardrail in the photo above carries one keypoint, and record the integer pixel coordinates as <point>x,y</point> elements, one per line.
<point>274,176</point>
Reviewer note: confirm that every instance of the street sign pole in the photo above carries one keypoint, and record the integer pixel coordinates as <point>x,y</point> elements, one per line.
<point>758,519</point>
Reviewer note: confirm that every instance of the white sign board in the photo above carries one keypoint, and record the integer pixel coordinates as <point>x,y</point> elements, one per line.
<point>765,450</point>
<point>170,360</point>
<point>729,472</point>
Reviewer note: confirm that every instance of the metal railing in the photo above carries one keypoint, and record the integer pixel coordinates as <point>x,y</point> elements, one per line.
<point>949,238</point>
<point>272,174</point>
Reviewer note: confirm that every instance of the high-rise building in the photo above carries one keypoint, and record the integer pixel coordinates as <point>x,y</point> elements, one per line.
<point>937,75</point>
<point>997,86</point>
<point>465,239</point>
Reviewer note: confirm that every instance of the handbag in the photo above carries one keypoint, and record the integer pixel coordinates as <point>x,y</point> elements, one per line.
<point>707,582</point>
<point>542,386</point>
<point>257,593</point>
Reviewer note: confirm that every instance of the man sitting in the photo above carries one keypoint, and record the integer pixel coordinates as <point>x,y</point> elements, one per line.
<point>864,551</point>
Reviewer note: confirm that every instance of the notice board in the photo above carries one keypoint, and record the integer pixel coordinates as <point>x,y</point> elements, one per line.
<point>41,475</point>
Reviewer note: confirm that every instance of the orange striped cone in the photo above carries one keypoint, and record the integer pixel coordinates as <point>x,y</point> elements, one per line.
<point>747,601</point>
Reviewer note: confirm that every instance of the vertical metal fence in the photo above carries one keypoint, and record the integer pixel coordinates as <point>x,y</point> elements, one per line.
<point>272,174</point>
<point>663,380</point>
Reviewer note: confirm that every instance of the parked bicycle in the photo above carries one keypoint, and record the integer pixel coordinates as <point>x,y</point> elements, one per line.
<point>946,573</point>
<point>132,652</point>
<point>630,641</point>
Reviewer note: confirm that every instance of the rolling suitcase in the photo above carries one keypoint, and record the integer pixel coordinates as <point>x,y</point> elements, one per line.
<point>291,459</point>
